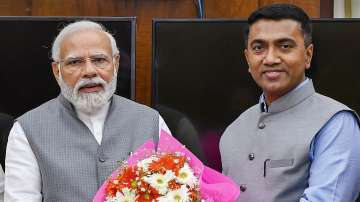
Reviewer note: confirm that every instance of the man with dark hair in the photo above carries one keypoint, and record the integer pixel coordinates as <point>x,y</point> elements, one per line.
<point>295,144</point>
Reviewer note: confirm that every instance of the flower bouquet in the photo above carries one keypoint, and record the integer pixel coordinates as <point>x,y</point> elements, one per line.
<point>166,173</point>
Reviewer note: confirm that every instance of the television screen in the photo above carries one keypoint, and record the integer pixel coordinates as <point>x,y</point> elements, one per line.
<point>201,83</point>
<point>26,76</point>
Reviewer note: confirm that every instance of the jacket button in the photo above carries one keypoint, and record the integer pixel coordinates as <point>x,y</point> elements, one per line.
<point>243,187</point>
<point>101,159</point>
<point>251,156</point>
<point>261,125</point>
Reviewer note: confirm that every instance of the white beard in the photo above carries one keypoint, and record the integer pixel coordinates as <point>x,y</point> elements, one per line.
<point>88,102</point>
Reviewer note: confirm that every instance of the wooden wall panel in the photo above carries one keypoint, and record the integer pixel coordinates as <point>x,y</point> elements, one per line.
<point>15,7</point>
<point>230,8</point>
<point>326,8</point>
<point>145,11</point>
<point>312,7</point>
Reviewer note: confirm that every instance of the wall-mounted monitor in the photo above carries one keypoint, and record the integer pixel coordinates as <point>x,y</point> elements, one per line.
<point>26,77</point>
<point>201,81</point>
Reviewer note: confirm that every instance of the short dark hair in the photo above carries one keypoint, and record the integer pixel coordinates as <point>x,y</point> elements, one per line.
<point>280,12</point>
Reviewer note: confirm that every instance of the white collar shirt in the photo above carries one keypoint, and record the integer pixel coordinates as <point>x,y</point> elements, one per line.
<point>22,176</point>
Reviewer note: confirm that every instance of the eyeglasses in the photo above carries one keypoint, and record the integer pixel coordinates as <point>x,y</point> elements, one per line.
<point>99,61</point>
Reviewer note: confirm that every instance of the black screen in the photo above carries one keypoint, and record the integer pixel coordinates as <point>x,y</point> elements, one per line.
<point>26,77</point>
<point>200,75</point>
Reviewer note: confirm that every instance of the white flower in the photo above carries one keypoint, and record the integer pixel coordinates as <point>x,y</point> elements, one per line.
<point>128,195</point>
<point>178,195</point>
<point>159,181</point>
<point>186,176</point>
<point>144,164</point>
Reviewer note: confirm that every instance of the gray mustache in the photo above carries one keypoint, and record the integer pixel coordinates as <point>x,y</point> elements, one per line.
<point>93,81</point>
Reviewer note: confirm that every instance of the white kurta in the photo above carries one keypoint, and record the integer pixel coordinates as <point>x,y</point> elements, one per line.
<point>21,163</point>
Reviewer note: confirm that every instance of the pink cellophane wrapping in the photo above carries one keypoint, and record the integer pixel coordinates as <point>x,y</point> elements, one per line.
<point>214,186</point>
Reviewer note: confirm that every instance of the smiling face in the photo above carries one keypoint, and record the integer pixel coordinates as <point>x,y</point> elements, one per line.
<point>277,56</point>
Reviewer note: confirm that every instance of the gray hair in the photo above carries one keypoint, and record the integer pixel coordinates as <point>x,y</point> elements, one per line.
<point>80,26</point>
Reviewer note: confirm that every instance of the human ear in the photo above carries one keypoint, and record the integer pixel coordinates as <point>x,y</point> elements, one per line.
<point>56,70</point>
<point>247,60</point>
<point>117,61</point>
<point>308,55</point>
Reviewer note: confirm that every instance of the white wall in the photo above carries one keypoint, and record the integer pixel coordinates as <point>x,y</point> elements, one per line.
<point>339,8</point>
<point>355,8</point>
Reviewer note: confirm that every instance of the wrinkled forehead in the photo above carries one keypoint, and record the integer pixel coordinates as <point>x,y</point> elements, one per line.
<point>85,43</point>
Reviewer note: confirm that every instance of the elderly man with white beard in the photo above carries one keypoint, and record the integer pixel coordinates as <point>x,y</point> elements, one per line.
<point>66,148</point>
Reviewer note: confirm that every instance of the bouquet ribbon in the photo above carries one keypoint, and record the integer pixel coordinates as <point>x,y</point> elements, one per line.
<point>214,186</point>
